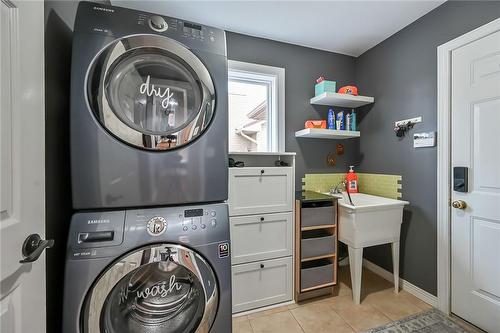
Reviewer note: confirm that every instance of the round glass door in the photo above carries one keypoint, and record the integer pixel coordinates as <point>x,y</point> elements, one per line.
<point>157,289</point>
<point>151,92</point>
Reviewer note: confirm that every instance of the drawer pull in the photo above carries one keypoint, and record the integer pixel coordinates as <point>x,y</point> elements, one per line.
<point>261,265</point>
<point>262,219</point>
<point>262,171</point>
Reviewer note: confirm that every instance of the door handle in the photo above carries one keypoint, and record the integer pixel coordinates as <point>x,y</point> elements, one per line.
<point>459,204</point>
<point>33,247</point>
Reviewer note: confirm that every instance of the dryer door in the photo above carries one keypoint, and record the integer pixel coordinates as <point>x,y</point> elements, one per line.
<point>159,288</point>
<point>151,92</point>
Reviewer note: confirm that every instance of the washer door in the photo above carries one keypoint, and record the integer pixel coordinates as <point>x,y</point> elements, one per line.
<point>160,288</point>
<point>151,92</point>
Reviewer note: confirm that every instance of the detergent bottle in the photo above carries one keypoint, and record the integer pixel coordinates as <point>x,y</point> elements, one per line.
<point>352,180</point>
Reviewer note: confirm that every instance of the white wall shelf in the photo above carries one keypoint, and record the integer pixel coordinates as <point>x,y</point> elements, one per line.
<point>265,153</point>
<point>320,133</point>
<point>342,100</point>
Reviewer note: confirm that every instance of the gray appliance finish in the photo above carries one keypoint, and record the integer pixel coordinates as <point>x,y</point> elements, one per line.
<point>148,110</point>
<point>149,270</point>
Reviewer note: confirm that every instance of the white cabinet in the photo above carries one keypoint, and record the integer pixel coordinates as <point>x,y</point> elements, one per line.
<point>262,283</point>
<point>259,190</point>
<point>260,237</point>
<point>262,229</point>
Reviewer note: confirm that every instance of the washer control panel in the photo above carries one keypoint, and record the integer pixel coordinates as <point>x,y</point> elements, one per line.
<point>107,233</point>
<point>198,219</point>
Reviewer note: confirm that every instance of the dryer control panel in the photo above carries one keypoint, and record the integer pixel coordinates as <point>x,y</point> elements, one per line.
<point>120,22</point>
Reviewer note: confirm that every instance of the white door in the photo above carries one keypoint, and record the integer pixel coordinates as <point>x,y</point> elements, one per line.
<point>22,205</point>
<point>475,229</point>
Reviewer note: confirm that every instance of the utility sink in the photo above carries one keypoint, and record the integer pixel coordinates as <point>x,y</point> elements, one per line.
<point>370,220</point>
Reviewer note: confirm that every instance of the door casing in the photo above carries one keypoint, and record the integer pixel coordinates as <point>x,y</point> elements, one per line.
<point>444,158</point>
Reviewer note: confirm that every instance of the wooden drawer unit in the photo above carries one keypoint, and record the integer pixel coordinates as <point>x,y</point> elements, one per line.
<point>315,246</point>
<point>262,283</point>
<point>260,190</point>
<point>261,237</point>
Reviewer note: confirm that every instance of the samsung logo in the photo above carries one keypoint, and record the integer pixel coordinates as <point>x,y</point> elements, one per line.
<point>97,221</point>
<point>104,9</point>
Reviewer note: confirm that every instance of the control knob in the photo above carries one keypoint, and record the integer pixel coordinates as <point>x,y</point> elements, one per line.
<point>156,226</point>
<point>158,23</point>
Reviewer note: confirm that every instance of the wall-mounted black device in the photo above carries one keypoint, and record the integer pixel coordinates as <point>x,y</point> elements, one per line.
<point>461,179</point>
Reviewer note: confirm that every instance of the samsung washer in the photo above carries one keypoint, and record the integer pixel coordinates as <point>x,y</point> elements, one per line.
<point>158,270</point>
<point>148,110</point>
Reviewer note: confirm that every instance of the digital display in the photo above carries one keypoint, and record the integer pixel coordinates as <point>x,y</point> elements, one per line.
<point>193,212</point>
<point>192,26</point>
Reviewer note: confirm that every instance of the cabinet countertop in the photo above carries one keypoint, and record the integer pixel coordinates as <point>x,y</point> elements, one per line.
<point>306,196</point>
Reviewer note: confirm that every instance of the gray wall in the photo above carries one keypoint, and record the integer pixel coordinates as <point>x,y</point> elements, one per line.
<point>302,67</point>
<point>401,72</point>
<point>59,18</point>
<point>59,21</point>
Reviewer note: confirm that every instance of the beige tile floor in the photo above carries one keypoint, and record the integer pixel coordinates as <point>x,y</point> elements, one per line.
<point>337,313</point>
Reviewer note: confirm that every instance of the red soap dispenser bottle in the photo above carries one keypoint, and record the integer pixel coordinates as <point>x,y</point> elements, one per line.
<point>352,180</point>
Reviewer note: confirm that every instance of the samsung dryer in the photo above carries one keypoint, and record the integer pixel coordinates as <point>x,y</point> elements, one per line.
<point>157,270</point>
<point>148,110</point>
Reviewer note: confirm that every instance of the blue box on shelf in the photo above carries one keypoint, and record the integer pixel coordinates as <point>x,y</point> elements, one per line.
<point>325,86</point>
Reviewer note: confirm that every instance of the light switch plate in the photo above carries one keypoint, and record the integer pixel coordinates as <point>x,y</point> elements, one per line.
<point>425,139</point>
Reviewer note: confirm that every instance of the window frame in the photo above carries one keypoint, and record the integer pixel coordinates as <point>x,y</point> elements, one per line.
<point>274,77</point>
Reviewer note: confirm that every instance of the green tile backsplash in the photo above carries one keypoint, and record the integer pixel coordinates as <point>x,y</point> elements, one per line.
<point>388,186</point>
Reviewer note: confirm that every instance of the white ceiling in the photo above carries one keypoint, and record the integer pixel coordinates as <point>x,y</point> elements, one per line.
<point>347,27</point>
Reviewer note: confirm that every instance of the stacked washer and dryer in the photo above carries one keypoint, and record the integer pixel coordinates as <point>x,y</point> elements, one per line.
<point>148,248</point>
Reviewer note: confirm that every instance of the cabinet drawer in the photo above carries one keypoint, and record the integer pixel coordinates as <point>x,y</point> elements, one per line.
<point>316,243</point>
<point>315,216</point>
<point>316,273</point>
<point>262,283</point>
<point>260,237</point>
<point>255,190</point>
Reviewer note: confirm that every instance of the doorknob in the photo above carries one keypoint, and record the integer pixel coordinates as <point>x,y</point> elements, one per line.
<point>459,204</point>
<point>33,247</point>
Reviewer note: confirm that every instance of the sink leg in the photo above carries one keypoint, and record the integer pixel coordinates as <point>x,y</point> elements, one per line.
<point>356,266</point>
<point>395,265</point>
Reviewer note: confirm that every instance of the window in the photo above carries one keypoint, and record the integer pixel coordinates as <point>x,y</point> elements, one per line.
<point>256,108</point>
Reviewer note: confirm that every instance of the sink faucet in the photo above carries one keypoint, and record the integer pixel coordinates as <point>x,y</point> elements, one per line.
<point>337,189</point>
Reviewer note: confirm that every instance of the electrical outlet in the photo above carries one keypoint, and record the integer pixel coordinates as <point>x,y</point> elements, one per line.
<point>425,139</point>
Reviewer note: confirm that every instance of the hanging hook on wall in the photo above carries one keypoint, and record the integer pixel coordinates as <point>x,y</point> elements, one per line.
<point>401,127</point>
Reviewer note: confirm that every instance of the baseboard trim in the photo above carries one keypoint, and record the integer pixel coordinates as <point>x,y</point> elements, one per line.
<point>264,308</point>
<point>405,285</point>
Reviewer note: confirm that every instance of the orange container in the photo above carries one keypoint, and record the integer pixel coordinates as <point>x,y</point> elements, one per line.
<point>352,181</point>
<point>315,124</point>
<point>350,90</point>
